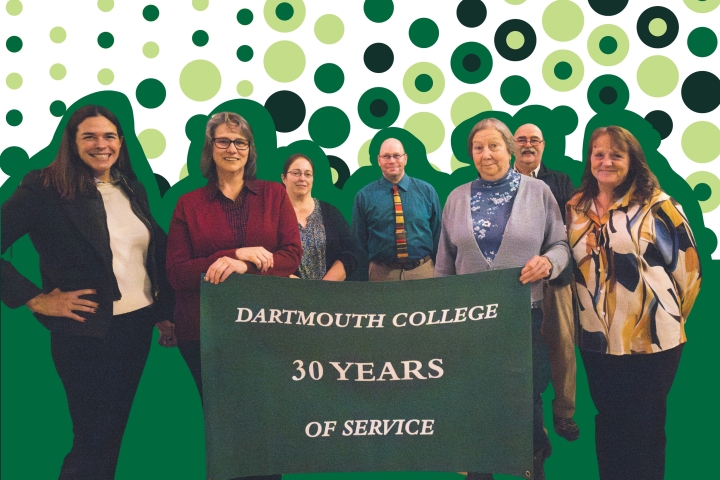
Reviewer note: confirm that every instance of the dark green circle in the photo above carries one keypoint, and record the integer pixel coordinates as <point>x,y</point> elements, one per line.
<point>528,46</point>
<point>515,90</point>
<point>702,42</point>
<point>424,33</point>
<point>106,40</point>
<point>378,108</point>
<point>608,95</point>
<point>13,161</point>
<point>58,108</point>
<point>643,27</point>
<point>150,93</point>
<point>14,118</point>
<point>14,44</point>
<point>463,62</point>
<point>245,53</point>
<point>563,70</point>
<point>601,91</point>
<point>284,11</point>
<point>245,17</point>
<point>329,127</point>
<point>378,11</point>
<point>702,191</point>
<point>424,82</point>
<point>329,78</point>
<point>200,38</point>
<point>608,45</point>
<point>151,13</point>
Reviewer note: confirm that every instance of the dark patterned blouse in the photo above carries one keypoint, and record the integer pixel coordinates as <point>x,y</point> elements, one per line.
<point>312,237</point>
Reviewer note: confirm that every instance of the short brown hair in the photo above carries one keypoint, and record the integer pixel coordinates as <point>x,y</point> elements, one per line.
<point>207,164</point>
<point>294,157</point>
<point>493,123</point>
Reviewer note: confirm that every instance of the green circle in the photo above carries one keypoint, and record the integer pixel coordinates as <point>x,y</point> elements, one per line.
<point>702,6</point>
<point>702,42</point>
<point>702,191</point>
<point>608,45</point>
<point>378,11</point>
<point>378,108</point>
<point>14,118</point>
<point>14,44</point>
<point>329,127</point>
<point>200,5</point>
<point>657,27</point>
<point>424,33</point>
<point>150,93</point>
<point>14,81</point>
<point>515,90</point>
<point>363,156</point>
<point>58,108</point>
<point>563,20</point>
<point>602,89</point>
<point>515,40</point>
<point>152,142</point>
<point>430,70</point>
<point>329,29</point>
<point>284,11</point>
<point>200,38</point>
<point>58,34</point>
<point>245,17</point>
<point>329,78</point>
<point>477,51</point>
<point>151,50</point>
<point>428,128</point>
<point>657,76</point>
<point>278,24</point>
<point>183,172</point>
<point>711,181</point>
<point>105,40</point>
<point>58,71</point>
<point>565,61</point>
<point>701,142</point>
<point>14,7</point>
<point>423,82</point>
<point>105,5</point>
<point>105,76</point>
<point>284,61</point>
<point>245,53</point>
<point>244,88</point>
<point>200,80</point>
<point>151,13</point>
<point>468,105</point>
<point>515,2</point>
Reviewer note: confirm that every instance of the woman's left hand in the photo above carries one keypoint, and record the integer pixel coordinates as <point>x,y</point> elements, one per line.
<point>167,333</point>
<point>221,269</point>
<point>537,268</point>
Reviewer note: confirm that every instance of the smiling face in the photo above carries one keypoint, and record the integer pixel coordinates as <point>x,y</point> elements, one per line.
<point>299,178</point>
<point>608,163</point>
<point>490,154</point>
<point>528,156</point>
<point>229,161</point>
<point>392,168</point>
<point>98,145</point>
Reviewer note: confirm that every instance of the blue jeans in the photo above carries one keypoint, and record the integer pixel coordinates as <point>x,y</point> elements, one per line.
<point>541,379</point>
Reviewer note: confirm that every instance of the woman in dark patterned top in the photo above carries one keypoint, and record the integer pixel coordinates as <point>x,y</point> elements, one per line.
<point>329,251</point>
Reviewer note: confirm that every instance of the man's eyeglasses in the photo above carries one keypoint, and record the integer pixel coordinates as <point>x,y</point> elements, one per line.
<point>534,141</point>
<point>395,157</point>
<point>224,143</point>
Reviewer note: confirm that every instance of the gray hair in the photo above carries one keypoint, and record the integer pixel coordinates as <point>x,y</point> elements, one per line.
<point>493,123</point>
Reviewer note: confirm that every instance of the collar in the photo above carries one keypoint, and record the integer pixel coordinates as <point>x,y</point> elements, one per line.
<point>213,192</point>
<point>404,182</point>
<point>534,174</point>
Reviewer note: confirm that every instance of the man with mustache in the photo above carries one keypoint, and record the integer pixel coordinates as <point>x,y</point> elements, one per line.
<point>558,326</point>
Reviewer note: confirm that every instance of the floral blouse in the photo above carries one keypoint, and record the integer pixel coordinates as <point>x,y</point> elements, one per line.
<point>312,237</point>
<point>637,274</point>
<point>491,203</point>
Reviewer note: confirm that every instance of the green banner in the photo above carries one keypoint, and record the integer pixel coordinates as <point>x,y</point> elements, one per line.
<point>311,376</point>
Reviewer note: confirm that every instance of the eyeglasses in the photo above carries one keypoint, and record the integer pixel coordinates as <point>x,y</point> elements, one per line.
<point>395,157</point>
<point>534,141</point>
<point>224,143</point>
<point>298,174</point>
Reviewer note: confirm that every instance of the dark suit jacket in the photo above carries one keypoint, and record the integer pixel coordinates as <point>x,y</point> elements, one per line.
<point>72,240</point>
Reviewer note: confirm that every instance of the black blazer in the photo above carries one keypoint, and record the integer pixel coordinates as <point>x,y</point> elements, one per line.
<point>72,240</point>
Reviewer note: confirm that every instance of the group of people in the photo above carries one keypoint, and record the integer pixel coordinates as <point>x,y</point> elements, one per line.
<point>617,254</point>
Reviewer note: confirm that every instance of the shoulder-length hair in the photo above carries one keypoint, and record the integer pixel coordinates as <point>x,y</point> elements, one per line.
<point>639,173</point>
<point>68,173</point>
<point>232,120</point>
<point>294,157</point>
<point>493,124</point>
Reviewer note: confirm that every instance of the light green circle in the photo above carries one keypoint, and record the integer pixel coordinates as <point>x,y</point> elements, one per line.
<point>657,76</point>
<point>14,81</point>
<point>58,71</point>
<point>435,91</point>
<point>58,34</point>
<point>515,40</point>
<point>548,70</point>
<point>702,6</point>
<point>605,59</point>
<point>200,5</point>
<point>335,175</point>
<point>284,61</point>
<point>468,105</point>
<point>711,181</point>
<point>200,80</point>
<point>515,2</point>
<point>329,29</point>
<point>657,27</point>
<point>105,76</point>
<point>105,5</point>
<point>152,142</point>
<point>563,20</point>
<point>245,88</point>
<point>14,7</point>
<point>364,154</point>
<point>183,172</point>
<point>701,142</point>
<point>151,49</point>
<point>428,128</point>
<point>284,26</point>
<point>455,164</point>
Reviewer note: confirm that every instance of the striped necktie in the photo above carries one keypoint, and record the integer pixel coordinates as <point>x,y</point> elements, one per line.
<point>400,240</point>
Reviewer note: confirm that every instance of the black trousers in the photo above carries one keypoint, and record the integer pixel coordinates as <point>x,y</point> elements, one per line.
<point>630,393</point>
<point>101,376</point>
